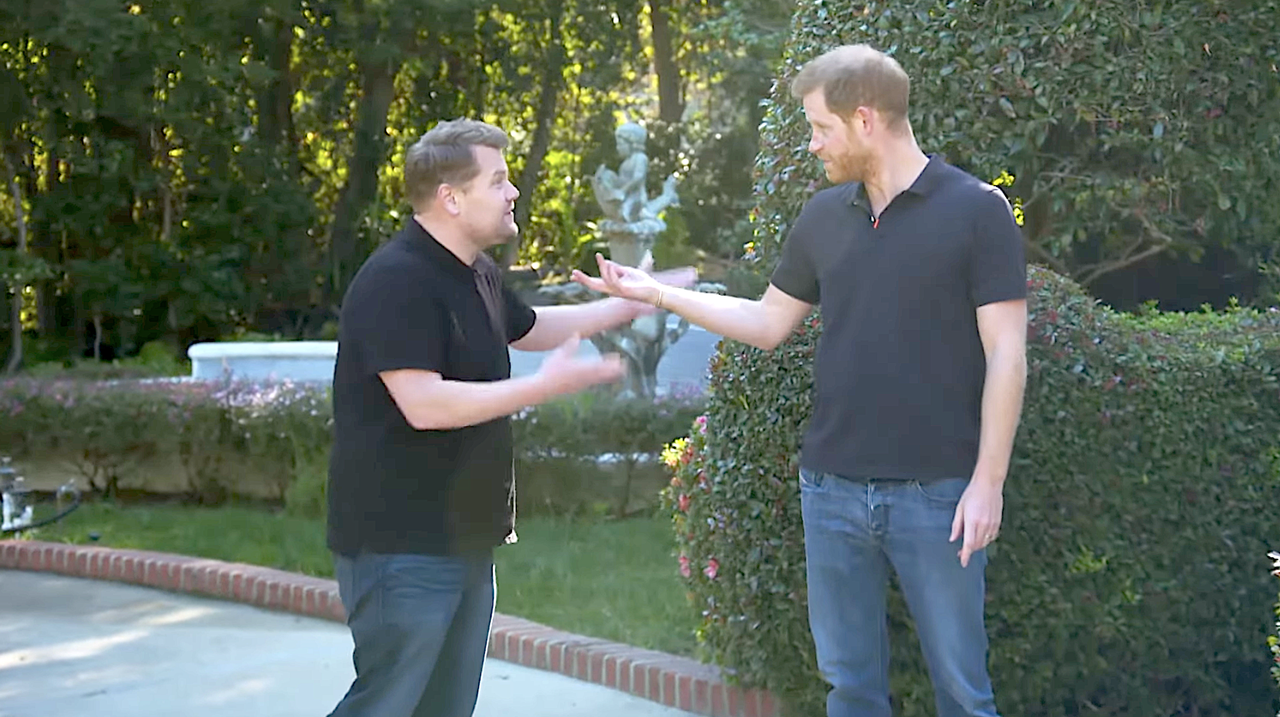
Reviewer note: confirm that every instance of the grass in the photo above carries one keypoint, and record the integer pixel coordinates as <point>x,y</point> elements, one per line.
<point>613,579</point>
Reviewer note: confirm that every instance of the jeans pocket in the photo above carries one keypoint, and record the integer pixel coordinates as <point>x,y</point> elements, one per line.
<point>946,491</point>
<point>810,479</point>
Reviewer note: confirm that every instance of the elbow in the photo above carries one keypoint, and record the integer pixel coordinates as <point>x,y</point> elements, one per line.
<point>769,340</point>
<point>767,343</point>
<point>427,418</point>
<point>422,421</point>
<point>1012,361</point>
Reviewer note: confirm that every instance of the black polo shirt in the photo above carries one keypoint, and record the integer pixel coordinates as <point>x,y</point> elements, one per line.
<point>900,367</point>
<point>394,489</point>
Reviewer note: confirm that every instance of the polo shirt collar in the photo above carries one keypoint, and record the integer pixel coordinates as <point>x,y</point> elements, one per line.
<point>422,240</point>
<point>929,179</point>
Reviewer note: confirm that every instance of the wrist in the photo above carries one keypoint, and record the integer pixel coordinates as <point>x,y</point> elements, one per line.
<point>656,296</point>
<point>628,309</point>
<point>989,476</point>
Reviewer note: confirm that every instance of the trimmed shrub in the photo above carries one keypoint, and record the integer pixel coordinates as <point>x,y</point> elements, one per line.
<point>107,429</point>
<point>272,440</point>
<point>1125,579</point>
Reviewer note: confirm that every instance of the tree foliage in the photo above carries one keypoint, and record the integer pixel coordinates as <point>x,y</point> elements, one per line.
<point>193,170</point>
<point>1121,130</point>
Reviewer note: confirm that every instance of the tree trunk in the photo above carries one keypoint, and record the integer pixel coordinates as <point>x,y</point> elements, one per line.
<point>360,188</point>
<point>275,115</point>
<point>97,335</point>
<point>45,246</point>
<point>670,91</point>
<point>544,119</point>
<point>15,316</point>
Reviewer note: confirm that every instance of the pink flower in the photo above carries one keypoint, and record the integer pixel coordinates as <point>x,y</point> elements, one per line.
<point>683,502</point>
<point>684,566</point>
<point>712,569</point>
<point>701,422</point>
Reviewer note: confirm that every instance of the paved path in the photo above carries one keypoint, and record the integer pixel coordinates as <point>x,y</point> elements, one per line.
<point>71,647</point>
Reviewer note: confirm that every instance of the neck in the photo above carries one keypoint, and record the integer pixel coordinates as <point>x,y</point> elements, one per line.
<point>897,168</point>
<point>449,237</point>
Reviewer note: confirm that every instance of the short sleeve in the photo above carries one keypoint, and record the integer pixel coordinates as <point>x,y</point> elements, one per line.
<point>796,274</point>
<point>392,329</point>
<point>520,316</point>
<point>997,260</point>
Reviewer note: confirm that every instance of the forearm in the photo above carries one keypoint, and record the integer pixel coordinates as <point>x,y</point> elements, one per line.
<point>739,319</point>
<point>1002,396</point>
<point>555,324</point>
<point>447,404</point>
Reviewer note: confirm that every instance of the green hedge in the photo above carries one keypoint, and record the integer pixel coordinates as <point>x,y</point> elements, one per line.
<point>272,439</point>
<point>1125,581</point>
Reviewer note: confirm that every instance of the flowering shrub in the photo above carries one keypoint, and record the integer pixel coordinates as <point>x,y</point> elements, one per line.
<point>226,432</point>
<point>1136,504</point>
<point>1274,639</point>
<point>106,428</point>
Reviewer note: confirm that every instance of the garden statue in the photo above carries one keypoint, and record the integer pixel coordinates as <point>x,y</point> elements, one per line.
<point>15,511</point>
<point>631,227</point>
<point>631,223</point>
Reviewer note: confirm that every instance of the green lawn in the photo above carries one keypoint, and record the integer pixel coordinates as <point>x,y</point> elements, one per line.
<point>610,579</point>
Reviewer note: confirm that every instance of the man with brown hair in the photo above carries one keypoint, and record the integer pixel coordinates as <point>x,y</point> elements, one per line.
<point>420,479</point>
<point>919,271</point>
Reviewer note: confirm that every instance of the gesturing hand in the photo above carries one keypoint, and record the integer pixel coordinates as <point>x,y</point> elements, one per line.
<point>635,283</point>
<point>566,372</point>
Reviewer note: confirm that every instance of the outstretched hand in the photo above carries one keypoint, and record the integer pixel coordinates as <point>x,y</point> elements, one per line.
<point>567,372</point>
<point>635,283</point>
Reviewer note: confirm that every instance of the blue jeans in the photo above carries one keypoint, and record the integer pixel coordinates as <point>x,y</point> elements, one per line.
<point>420,624</point>
<point>854,531</point>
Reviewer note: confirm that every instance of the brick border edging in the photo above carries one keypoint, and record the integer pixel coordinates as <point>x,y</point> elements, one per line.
<point>657,676</point>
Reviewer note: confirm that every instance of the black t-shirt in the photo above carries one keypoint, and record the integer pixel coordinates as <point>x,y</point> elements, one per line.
<point>394,489</point>
<point>900,367</point>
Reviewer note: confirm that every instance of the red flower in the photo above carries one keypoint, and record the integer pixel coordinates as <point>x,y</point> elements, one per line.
<point>684,566</point>
<point>712,569</point>
<point>683,503</point>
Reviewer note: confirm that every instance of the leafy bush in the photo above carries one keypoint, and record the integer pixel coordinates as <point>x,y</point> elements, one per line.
<point>105,428</point>
<point>273,438</point>
<point>1136,508</point>
<point>1274,640</point>
<point>569,435</point>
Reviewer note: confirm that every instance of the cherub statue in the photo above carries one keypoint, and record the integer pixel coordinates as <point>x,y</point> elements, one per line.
<point>622,194</point>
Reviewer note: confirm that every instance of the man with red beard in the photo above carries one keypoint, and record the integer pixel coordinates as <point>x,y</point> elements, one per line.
<point>920,274</point>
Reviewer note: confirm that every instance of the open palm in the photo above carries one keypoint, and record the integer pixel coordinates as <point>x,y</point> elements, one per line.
<point>633,282</point>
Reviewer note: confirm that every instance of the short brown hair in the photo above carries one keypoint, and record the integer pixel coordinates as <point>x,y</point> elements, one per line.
<point>444,156</point>
<point>853,76</point>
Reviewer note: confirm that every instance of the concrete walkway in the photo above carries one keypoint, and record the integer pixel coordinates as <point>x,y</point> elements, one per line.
<point>71,647</point>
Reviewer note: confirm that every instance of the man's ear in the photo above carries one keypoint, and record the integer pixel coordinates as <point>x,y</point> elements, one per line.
<point>447,197</point>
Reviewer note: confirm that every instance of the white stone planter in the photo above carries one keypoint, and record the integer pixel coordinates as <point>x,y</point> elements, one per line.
<point>264,360</point>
